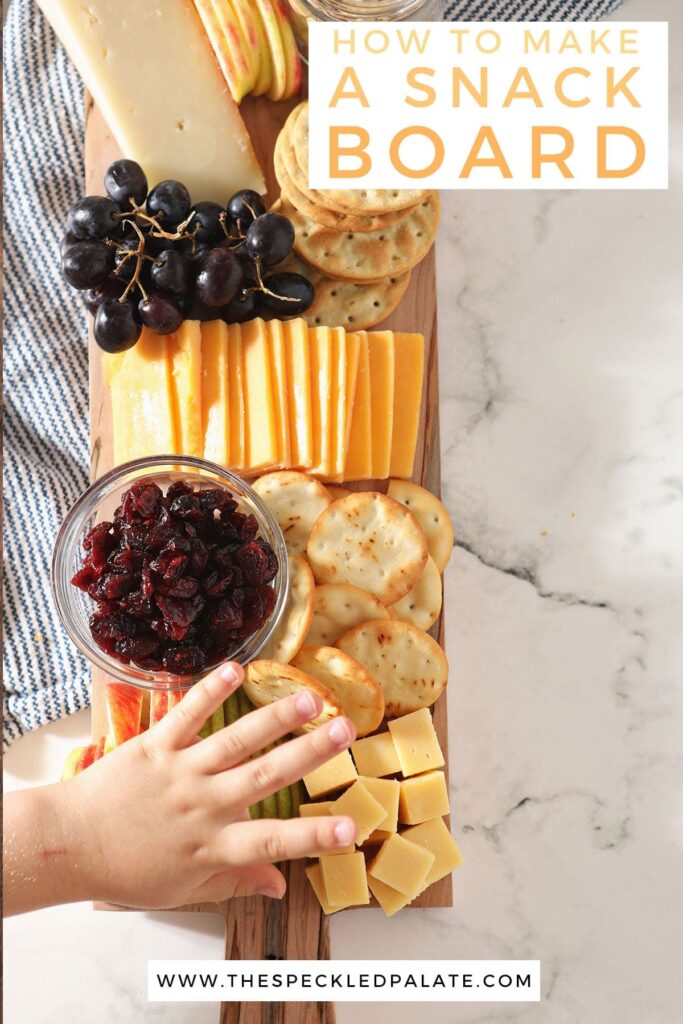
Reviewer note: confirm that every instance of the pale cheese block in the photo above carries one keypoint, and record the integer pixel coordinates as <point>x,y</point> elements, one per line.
<point>298,369</point>
<point>402,865</point>
<point>416,743</point>
<point>321,399</point>
<point>185,352</point>
<point>360,804</point>
<point>337,773</point>
<point>236,398</point>
<point>278,368</point>
<point>145,426</point>
<point>382,372</point>
<point>345,880</point>
<point>409,372</point>
<point>423,797</point>
<point>261,443</point>
<point>359,454</point>
<point>151,71</point>
<point>435,837</point>
<point>215,397</point>
<point>376,755</point>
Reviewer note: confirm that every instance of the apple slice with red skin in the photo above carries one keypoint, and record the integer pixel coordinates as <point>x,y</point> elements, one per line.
<point>100,748</point>
<point>72,760</point>
<point>124,712</point>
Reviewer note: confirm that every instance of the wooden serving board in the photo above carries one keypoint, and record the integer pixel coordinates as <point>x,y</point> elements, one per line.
<point>257,928</point>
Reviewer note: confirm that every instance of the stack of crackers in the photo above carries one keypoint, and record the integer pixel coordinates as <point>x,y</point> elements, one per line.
<point>356,246</point>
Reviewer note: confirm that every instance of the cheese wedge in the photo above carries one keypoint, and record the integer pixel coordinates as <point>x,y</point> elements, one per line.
<point>261,436</point>
<point>278,369</point>
<point>382,363</point>
<point>409,350</point>
<point>236,398</point>
<point>298,370</point>
<point>185,351</point>
<point>321,399</point>
<point>151,71</point>
<point>215,398</point>
<point>359,455</point>
<point>142,402</point>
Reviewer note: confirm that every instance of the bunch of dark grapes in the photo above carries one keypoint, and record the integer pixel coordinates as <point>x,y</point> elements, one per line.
<point>151,258</point>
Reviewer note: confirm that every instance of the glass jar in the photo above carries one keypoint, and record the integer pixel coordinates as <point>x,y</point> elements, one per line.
<point>368,10</point>
<point>98,503</point>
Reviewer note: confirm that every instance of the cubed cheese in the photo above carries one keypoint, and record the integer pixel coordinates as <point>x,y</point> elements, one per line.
<point>359,803</point>
<point>436,838</point>
<point>402,865</point>
<point>416,742</point>
<point>345,881</point>
<point>409,371</point>
<point>322,809</point>
<point>376,755</point>
<point>390,900</point>
<point>423,797</point>
<point>386,792</point>
<point>337,773</point>
<point>315,877</point>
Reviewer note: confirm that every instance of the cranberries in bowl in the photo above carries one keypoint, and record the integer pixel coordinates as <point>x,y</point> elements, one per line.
<point>166,567</point>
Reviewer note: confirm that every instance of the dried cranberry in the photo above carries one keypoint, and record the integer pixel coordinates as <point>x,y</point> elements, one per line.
<point>152,664</point>
<point>137,605</point>
<point>249,528</point>
<point>186,586</point>
<point>132,561</point>
<point>187,507</point>
<point>86,578</point>
<point>134,536</point>
<point>179,613</point>
<point>216,583</point>
<point>199,556</point>
<point>224,557</point>
<point>258,604</point>
<point>213,498</point>
<point>185,661</point>
<point>176,489</point>
<point>100,542</point>
<point>143,499</point>
<point>273,564</point>
<point>136,647</point>
<point>148,585</point>
<point>253,561</point>
<point>113,585</point>
<point>226,615</point>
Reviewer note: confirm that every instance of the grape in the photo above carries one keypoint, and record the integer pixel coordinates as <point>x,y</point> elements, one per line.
<point>195,309</point>
<point>270,238</point>
<point>219,278</point>
<point>293,293</point>
<point>155,246</point>
<point>160,312</point>
<point>67,241</point>
<point>245,306</point>
<point>113,288</point>
<point>115,328</point>
<point>244,207</point>
<point>207,220</point>
<point>172,272</point>
<point>87,264</point>
<point>170,202</point>
<point>93,217</point>
<point>125,180</point>
<point>125,264</point>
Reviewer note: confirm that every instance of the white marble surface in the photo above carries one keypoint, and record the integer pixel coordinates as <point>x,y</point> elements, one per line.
<point>562,420</point>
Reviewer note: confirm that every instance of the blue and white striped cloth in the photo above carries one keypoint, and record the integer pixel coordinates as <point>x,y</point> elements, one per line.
<point>46,366</point>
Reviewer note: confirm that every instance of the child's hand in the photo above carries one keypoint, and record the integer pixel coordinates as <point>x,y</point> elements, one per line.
<point>163,820</point>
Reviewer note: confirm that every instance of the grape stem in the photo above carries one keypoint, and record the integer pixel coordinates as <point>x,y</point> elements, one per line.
<point>266,291</point>
<point>139,254</point>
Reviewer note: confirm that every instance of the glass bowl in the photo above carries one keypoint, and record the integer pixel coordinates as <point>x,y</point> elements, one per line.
<point>98,503</point>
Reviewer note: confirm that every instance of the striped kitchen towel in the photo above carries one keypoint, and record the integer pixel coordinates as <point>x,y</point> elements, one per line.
<point>46,374</point>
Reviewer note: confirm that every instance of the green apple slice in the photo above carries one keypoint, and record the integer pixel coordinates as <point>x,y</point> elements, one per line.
<point>231,60</point>
<point>272,28</point>
<point>265,75</point>
<point>291,51</point>
<point>254,40</point>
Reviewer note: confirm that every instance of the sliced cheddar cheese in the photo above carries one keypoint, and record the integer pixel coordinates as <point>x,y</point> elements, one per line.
<point>142,401</point>
<point>260,433</point>
<point>215,397</point>
<point>185,351</point>
<point>278,369</point>
<point>321,399</point>
<point>381,356</point>
<point>359,455</point>
<point>339,403</point>
<point>409,352</point>
<point>353,342</point>
<point>298,370</point>
<point>236,398</point>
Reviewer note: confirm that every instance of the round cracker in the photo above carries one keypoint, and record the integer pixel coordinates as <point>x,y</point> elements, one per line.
<point>297,615</point>
<point>422,604</point>
<point>371,541</point>
<point>296,500</point>
<point>359,693</point>
<point>368,255</point>
<point>338,608</point>
<point>431,514</point>
<point>411,667</point>
<point>268,681</point>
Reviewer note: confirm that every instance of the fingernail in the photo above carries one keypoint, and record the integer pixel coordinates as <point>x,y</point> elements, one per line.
<point>340,732</point>
<point>271,893</point>
<point>230,673</point>
<point>345,832</point>
<point>306,705</point>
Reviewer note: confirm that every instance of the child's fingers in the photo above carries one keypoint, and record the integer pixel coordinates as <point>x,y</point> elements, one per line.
<point>236,743</point>
<point>271,841</point>
<point>259,880</point>
<point>287,763</point>
<point>180,726</point>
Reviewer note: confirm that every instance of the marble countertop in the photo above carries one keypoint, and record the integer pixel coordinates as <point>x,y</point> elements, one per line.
<point>562,423</point>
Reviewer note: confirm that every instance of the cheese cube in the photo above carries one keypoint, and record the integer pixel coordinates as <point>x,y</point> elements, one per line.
<point>345,881</point>
<point>402,865</point>
<point>376,755</point>
<point>321,399</point>
<point>390,900</point>
<point>435,837</point>
<point>215,398</point>
<point>386,792</point>
<point>315,877</point>
<point>298,360</point>
<point>410,350</point>
<point>359,454</point>
<point>360,805</point>
<point>377,837</point>
<point>337,773</point>
<point>423,797</point>
<point>382,368</point>
<point>322,809</point>
<point>416,742</point>
<point>261,435</point>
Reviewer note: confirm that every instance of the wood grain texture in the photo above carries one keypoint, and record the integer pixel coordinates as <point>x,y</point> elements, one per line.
<point>257,928</point>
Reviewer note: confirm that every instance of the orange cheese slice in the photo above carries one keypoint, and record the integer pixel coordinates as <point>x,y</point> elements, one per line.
<point>278,369</point>
<point>359,454</point>
<point>321,399</point>
<point>339,402</point>
<point>236,398</point>
<point>409,371</point>
<point>185,351</point>
<point>260,432</point>
<point>142,401</point>
<point>215,398</point>
<point>298,371</point>
<point>382,363</point>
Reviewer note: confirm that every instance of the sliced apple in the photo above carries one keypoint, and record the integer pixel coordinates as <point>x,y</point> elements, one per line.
<point>291,51</point>
<point>72,760</point>
<point>271,24</point>
<point>265,75</point>
<point>238,74</point>
<point>158,707</point>
<point>124,711</point>
<point>100,748</point>
<point>252,37</point>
